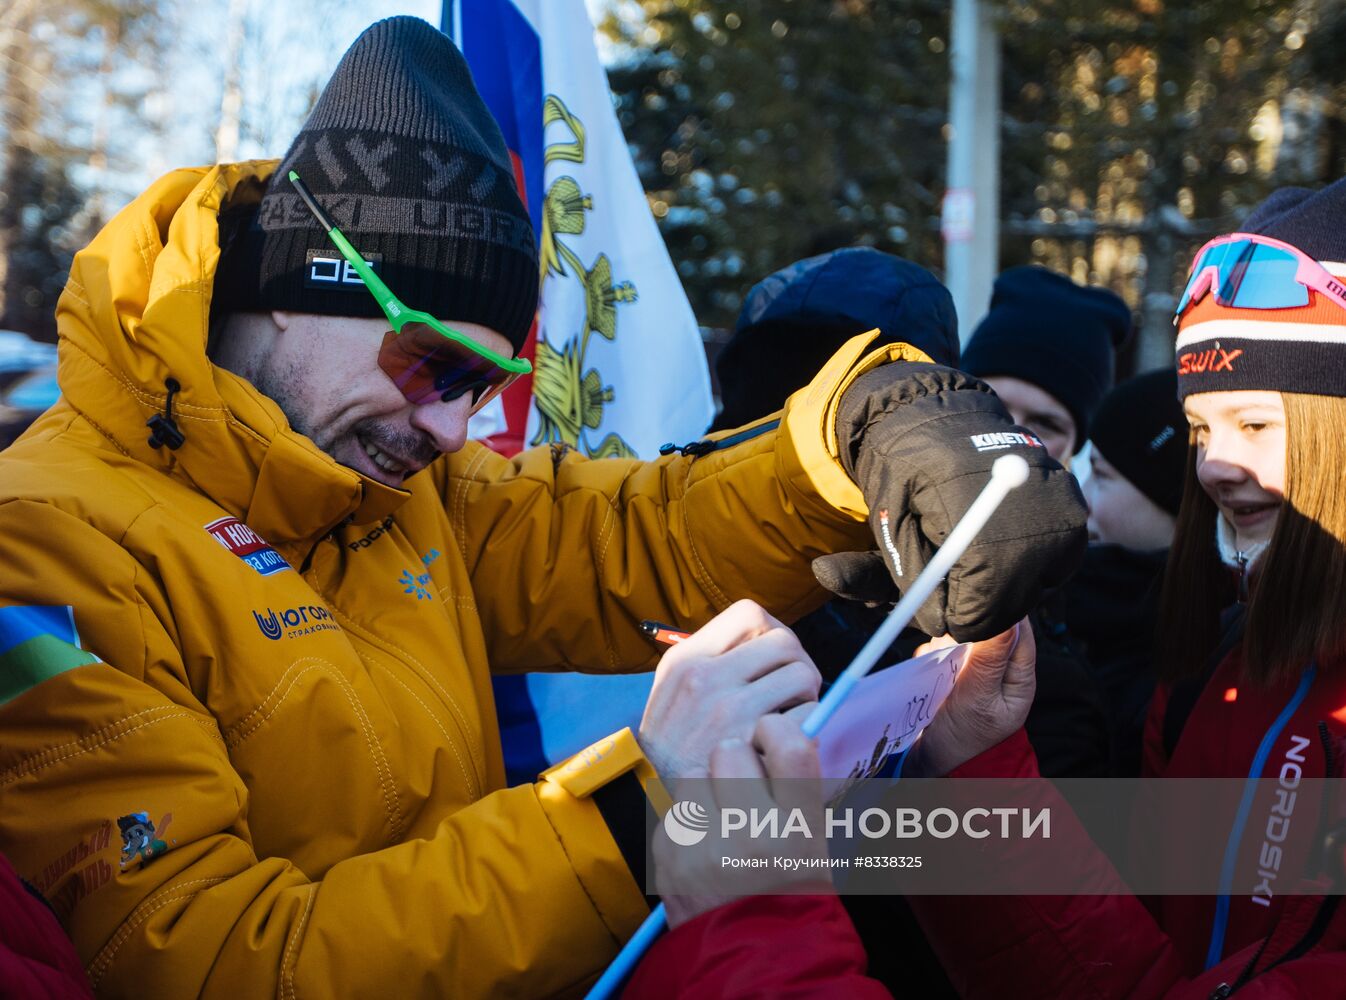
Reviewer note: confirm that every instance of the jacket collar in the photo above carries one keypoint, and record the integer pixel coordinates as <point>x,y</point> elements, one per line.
<point>135,312</point>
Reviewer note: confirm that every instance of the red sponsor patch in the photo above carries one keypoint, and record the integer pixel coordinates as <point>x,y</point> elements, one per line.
<point>249,546</point>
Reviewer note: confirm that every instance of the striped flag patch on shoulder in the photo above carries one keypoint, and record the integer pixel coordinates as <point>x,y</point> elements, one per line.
<point>36,643</point>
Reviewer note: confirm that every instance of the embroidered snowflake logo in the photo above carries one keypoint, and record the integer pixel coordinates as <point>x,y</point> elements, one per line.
<point>415,584</point>
<point>418,583</point>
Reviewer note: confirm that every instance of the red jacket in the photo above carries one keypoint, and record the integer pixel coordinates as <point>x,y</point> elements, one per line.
<point>761,946</point>
<point>37,960</point>
<point>1115,946</point>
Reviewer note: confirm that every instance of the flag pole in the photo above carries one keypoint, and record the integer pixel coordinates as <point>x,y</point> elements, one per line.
<point>971,211</point>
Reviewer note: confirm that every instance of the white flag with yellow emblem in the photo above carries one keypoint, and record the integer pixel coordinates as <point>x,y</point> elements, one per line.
<point>618,360</point>
<point>619,364</point>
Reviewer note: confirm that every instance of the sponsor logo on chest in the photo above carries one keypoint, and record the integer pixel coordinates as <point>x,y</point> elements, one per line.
<point>249,546</point>
<point>1270,856</point>
<point>291,623</point>
<point>373,536</point>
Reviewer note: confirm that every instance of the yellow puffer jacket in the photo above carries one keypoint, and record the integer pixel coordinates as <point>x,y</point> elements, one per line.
<point>260,756</point>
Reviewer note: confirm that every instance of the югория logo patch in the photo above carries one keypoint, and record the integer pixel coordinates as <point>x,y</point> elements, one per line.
<point>294,622</point>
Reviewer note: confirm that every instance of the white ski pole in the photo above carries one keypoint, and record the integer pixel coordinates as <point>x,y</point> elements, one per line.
<point>1008,472</point>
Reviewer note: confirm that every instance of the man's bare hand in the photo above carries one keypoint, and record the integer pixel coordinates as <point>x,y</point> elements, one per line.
<point>780,771</point>
<point>715,685</point>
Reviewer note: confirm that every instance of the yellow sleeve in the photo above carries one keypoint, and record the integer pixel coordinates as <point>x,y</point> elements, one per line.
<point>568,554</point>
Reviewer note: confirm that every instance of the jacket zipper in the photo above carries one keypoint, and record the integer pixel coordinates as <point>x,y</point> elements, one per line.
<point>1326,911</point>
<point>705,446</point>
<point>1330,761</point>
<point>1328,858</point>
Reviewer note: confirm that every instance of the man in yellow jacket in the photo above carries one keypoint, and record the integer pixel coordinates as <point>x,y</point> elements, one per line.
<point>253,581</point>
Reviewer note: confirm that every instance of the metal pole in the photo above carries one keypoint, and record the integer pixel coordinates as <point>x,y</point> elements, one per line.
<point>971,218</point>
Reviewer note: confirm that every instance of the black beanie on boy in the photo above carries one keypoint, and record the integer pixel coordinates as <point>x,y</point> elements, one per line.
<point>1141,430</point>
<point>1057,335</point>
<point>405,157</point>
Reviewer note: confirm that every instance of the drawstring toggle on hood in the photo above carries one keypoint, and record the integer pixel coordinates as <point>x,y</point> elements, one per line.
<point>163,430</point>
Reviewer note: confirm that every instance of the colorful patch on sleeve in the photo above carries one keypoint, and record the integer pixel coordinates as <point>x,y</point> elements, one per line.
<point>37,643</point>
<point>249,546</point>
<point>139,838</point>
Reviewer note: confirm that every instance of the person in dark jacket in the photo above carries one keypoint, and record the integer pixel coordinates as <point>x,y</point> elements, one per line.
<point>1111,605</point>
<point>1046,348</point>
<point>1262,527</point>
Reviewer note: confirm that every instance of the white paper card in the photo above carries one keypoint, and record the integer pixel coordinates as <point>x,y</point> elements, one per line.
<point>885,713</point>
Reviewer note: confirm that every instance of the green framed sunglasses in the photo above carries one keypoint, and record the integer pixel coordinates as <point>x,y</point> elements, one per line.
<point>427,360</point>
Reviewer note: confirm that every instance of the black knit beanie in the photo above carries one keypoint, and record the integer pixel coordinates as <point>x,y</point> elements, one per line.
<point>792,321</point>
<point>1142,432</point>
<point>1057,335</point>
<point>407,160</point>
<point>1294,349</point>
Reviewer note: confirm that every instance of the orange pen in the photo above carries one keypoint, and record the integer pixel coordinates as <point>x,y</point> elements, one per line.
<point>661,633</point>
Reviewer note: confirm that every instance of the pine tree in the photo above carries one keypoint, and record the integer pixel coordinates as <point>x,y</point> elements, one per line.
<point>770,130</point>
<point>1132,131</point>
<point>70,114</point>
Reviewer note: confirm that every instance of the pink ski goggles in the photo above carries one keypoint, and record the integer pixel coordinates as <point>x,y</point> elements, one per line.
<point>1248,271</point>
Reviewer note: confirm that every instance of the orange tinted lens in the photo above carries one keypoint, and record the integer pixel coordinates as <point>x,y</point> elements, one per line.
<point>426,365</point>
<point>490,392</point>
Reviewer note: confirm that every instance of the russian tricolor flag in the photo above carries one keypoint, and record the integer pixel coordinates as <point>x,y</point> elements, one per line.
<point>505,54</point>
<point>619,366</point>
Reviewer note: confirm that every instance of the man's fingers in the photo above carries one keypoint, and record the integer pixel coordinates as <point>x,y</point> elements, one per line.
<point>786,751</point>
<point>718,682</point>
<point>760,655</point>
<point>738,778</point>
<point>734,758</point>
<point>792,766</point>
<point>737,623</point>
<point>701,677</point>
<point>786,687</point>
